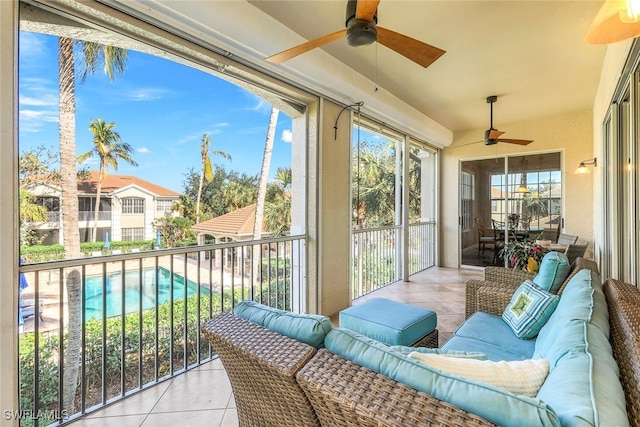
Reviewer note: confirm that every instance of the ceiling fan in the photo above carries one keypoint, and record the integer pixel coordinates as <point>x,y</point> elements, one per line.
<point>492,135</point>
<point>361,30</point>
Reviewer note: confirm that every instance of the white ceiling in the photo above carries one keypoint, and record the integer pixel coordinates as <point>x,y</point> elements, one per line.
<point>531,54</point>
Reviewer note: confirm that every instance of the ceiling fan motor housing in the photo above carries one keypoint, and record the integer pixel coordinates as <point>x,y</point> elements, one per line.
<point>487,140</point>
<point>360,32</point>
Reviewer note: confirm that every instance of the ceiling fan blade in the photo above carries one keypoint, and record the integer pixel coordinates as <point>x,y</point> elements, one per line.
<point>516,141</point>
<point>305,47</point>
<point>366,9</point>
<point>415,50</point>
<point>495,134</point>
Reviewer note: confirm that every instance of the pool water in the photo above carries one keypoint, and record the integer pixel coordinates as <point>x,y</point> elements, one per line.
<point>133,290</point>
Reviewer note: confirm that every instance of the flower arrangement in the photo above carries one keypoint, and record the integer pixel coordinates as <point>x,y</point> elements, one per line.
<point>524,255</point>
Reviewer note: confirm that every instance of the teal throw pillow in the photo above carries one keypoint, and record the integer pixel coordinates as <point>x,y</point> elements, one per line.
<point>554,268</point>
<point>529,309</point>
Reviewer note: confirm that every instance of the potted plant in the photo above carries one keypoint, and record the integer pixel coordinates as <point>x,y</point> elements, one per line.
<point>524,255</point>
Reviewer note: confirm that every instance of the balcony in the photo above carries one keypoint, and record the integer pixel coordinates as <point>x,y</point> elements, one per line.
<point>137,317</point>
<point>203,396</point>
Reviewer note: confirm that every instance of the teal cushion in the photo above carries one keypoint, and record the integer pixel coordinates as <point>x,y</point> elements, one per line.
<point>307,328</point>
<point>404,349</point>
<point>493,352</point>
<point>582,300</point>
<point>582,386</point>
<point>492,403</point>
<point>491,329</point>
<point>529,309</point>
<point>554,269</point>
<point>391,322</point>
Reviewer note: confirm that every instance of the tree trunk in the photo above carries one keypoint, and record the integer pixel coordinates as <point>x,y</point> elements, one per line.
<point>262,187</point>
<point>101,174</point>
<point>200,191</point>
<point>69,208</point>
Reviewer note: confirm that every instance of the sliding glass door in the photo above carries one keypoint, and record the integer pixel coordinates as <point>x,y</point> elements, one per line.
<point>507,197</point>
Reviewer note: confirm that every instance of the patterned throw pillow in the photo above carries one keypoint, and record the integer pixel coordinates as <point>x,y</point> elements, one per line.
<point>529,309</point>
<point>524,377</point>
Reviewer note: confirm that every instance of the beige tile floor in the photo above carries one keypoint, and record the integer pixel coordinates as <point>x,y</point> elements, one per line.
<point>203,396</point>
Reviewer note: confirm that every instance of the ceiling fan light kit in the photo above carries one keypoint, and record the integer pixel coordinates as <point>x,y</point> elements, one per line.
<point>616,21</point>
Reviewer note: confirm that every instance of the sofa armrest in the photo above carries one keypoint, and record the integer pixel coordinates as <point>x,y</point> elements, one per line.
<point>344,393</point>
<point>472,294</point>
<point>261,365</point>
<point>507,276</point>
<point>494,299</point>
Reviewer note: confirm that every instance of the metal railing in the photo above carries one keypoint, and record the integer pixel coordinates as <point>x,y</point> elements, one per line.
<point>377,255</point>
<point>116,324</point>
<point>422,246</point>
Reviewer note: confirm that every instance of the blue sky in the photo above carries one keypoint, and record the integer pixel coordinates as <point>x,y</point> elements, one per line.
<point>159,107</point>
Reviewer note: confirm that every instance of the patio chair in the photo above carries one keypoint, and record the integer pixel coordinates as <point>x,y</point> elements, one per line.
<point>484,237</point>
<point>574,251</point>
<point>567,239</point>
<point>498,232</point>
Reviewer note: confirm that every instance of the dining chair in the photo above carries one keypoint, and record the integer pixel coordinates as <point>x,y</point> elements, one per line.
<point>567,239</point>
<point>574,251</point>
<point>484,237</point>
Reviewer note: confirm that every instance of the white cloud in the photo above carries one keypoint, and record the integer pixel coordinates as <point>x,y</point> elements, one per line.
<point>31,44</point>
<point>45,100</point>
<point>142,150</point>
<point>287,136</point>
<point>146,94</point>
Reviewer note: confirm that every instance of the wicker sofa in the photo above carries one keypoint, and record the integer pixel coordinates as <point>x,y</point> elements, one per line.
<point>492,294</point>
<point>280,381</point>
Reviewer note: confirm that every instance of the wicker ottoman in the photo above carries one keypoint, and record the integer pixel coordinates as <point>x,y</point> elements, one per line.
<point>392,323</point>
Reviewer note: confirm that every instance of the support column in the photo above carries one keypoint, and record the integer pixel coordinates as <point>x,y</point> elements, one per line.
<point>9,232</point>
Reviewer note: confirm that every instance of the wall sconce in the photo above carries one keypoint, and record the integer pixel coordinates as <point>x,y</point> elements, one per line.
<point>617,20</point>
<point>582,168</point>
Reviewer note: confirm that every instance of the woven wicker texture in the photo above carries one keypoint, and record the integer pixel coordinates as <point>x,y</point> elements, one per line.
<point>261,365</point>
<point>430,340</point>
<point>509,279</point>
<point>494,300</point>
<point>346,394</point>
<point>623,301</point>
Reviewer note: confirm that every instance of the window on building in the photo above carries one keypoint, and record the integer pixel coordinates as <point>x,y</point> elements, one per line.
<point>467,191</point>
<point>133,205</point>
<point>132,234</point>
<point>88,204</point>
<point>164,206</point>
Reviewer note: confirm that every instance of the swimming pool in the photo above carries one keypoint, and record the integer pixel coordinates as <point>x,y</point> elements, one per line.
<point>133,290</point>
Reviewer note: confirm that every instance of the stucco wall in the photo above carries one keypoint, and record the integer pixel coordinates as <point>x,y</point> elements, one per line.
<point>334,235</point>
<point>571,134</point>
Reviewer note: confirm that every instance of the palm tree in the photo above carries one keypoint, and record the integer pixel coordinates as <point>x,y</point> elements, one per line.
<point>206,171</point>
<point>240,191</point>
<point>114,60</point>
<point>108,146</point>
<point>264,173</point>
<point>262,189</point>
<point>29,210</point>
<point>277,211</point>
